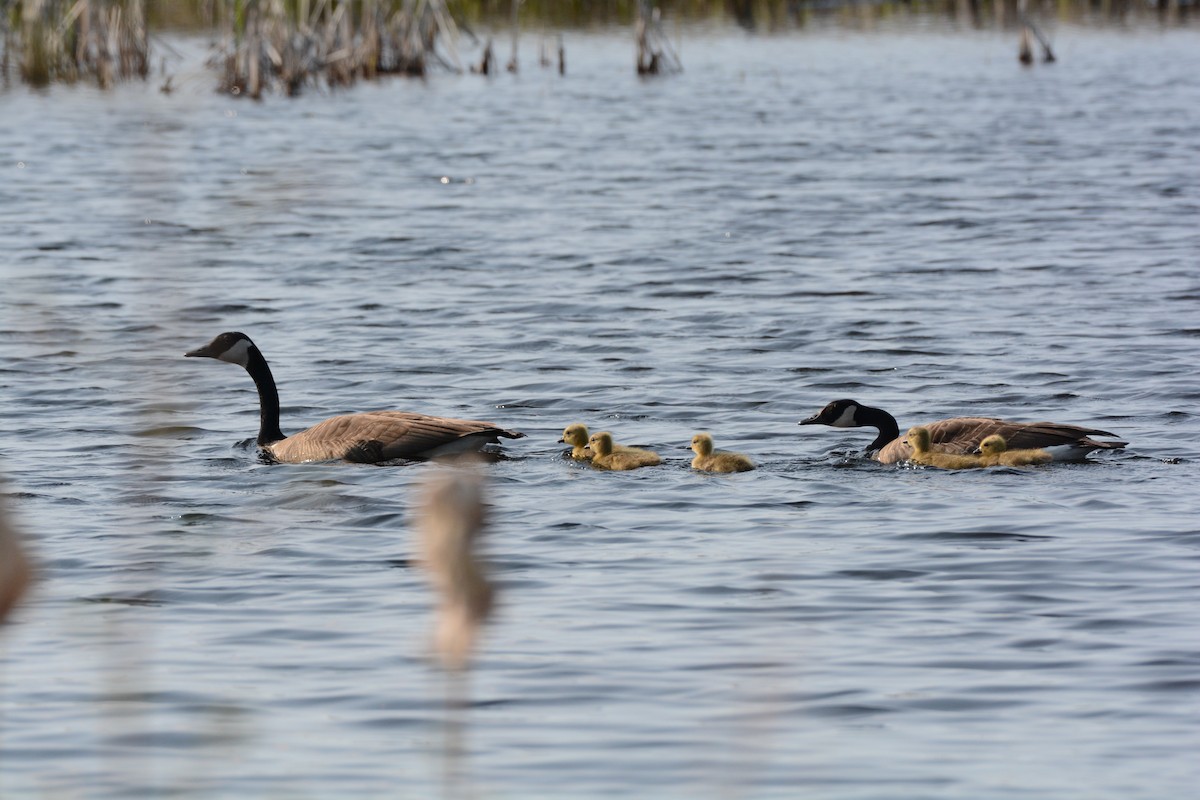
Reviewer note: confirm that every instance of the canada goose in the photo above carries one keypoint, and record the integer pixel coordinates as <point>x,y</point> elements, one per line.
<point>606,456</point>
<point>918,440</point>
<point>719,461</point>
<point>369,437</point>
<point>994,452</point>
<point>962,434</point>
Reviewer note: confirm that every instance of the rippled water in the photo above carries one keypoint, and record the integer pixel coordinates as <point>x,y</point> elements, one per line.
<point>910,220</point>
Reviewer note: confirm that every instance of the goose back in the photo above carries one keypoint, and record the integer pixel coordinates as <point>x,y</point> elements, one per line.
<point>375,436</point>
<point>962,436</point>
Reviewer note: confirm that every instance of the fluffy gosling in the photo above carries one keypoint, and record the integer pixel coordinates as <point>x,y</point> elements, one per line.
<point>994,452</point>
<point>576,435</point>
<point>708,460</point>
<point>605,454</point>
<point>918,440</point>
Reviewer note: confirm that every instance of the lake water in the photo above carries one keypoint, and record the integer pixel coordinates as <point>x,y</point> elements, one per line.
<point>910,219</point>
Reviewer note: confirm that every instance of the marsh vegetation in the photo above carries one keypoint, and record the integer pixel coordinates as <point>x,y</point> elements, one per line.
<point>287,46</point>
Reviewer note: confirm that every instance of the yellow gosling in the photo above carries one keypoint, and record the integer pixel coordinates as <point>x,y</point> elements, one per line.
<point>605,454</point>
<point>719,461</point>
<point>995,453</point>
<point>918,440</point>
<point>576,435</point>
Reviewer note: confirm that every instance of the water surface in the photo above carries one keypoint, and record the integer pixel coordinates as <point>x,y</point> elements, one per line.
<point>911,220</point>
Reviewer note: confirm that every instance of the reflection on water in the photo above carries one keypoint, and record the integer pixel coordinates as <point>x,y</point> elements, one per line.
<point>912,220</point>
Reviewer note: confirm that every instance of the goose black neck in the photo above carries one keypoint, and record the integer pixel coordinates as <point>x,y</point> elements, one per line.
<point>878,418</point>
<point>268,398</point>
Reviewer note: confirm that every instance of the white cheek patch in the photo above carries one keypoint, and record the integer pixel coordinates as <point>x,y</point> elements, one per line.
<point>238,354</point>
<point>846,420</point>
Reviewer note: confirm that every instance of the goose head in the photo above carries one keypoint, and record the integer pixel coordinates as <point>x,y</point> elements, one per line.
<point>838,414</point>
<point>230,346</point>
<point>702,444</point>
<point>601,443</point>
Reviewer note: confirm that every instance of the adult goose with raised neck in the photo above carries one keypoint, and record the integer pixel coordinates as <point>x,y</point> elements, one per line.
<point>368,437</point>
<point>962,435</point>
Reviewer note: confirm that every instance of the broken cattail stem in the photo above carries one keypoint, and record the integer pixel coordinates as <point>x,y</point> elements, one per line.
<point>1047,53</point>
<point>655,55</point>
<point>487,63</point>
<point>515,24</point>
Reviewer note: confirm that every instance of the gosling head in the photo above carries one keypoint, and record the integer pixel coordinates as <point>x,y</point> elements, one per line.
<point>918,439</point>
<point>993,445</point>
<point>702,444</point>
<point>231,346</point>
<point>575,434</point>
<point>601,443</point>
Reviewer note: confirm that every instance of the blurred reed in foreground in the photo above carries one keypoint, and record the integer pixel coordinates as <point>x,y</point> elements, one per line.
<point>450,519</point>
<point>15,572</point>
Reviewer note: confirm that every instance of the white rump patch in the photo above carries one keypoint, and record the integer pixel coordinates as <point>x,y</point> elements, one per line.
<point>1067,452</point>
<point>846,420</point>
<point>238,354</point>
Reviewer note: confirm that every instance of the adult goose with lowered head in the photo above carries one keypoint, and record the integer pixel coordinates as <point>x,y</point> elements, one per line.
<point>962,435</point>
<point>369,437</point>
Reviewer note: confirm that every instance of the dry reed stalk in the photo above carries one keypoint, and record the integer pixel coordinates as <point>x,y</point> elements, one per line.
<point>15,571</point>
<point>1025,48</point>
<point>1047,53</point>
<point>655,55</point>
<point>515,25</point>
<point>61,40</point>
<point>273,45</point>
<point>487,62</point>
<point>544,58</point>
<point>450,519</point>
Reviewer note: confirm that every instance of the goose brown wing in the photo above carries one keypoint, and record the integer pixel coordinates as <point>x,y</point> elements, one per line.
<point>1024,435</point>
<point>958,435</point>
<point>408,435</point>
<point>381,436</point>
<point>962,435</point>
